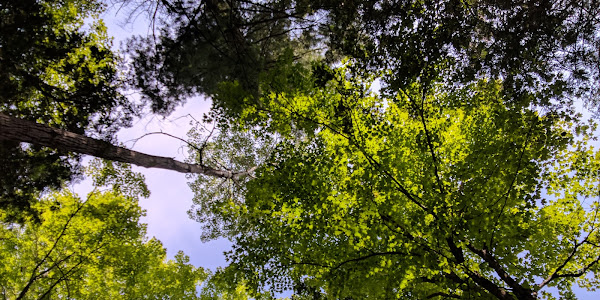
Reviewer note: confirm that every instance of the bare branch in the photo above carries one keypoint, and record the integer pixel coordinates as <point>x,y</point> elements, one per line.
<point>443,295</point>
<point>15,129</point>
<point>374,254</point>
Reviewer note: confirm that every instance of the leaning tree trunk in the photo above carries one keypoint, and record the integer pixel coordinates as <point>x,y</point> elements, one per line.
<point>19,130</point>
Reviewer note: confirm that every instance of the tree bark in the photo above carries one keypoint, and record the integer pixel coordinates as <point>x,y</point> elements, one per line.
<point>19,130</point>
<point>520,291</point>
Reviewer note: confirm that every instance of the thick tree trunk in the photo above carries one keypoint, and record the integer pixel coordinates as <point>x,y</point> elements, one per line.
<point>15,129</point>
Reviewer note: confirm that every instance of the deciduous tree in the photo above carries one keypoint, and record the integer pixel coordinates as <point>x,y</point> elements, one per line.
<point>468,173</point>
<point>422,193</point>
<point>93,248</point>
<point>58,71</point>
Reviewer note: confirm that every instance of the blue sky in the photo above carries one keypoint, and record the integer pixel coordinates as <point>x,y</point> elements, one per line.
<point>171,197</point>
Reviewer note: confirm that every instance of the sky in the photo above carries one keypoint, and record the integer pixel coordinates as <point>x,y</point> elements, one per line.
<point>171,197</point>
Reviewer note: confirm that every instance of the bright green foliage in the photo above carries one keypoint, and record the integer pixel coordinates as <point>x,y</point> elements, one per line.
<point>91,249</point>
<point>417,193</point>
<point>222,288</point>
<point>468,175</point>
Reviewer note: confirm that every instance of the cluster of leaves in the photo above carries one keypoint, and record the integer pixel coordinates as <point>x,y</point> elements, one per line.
<point>226,150</point>
<point>92,249</point>
<point>57,69</point>
<point>531,45</point>
<point>466,175</point>
<point>202,44</point>
<point>427,191</point>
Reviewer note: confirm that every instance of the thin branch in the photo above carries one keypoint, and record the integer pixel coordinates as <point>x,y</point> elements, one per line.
<point>427,137</point>
<point>579,273</point>
<point>374,254</point>
<point>203,146</point>
<point>512,184</point>
<point>442,294</point>
<point>34,276</point>
<point>166,134</point>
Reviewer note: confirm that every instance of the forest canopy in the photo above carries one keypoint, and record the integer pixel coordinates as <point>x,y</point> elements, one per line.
<point>354,149</point>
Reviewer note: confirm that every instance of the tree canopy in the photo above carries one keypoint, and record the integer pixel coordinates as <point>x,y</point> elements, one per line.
<point>458,177</point>
<point>367,149</point>
<point>59,71</point>
<point>93,248</point>
<point>419,194</point>
<point>532,45</point>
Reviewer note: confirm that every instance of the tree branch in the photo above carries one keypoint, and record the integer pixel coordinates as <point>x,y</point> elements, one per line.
<point>429,141</point>
<point>367,257</point>
<point>19,130</point>
<point>34,276</point>
<point>520,291</point>
<point>512,183</point>
<point>579,273</point>
<point>443,295</point>
<point>492,288</point>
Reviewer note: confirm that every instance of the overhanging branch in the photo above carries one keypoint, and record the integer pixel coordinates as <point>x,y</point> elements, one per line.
<point>19,130</point>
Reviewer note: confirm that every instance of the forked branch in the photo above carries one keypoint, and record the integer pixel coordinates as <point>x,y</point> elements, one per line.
<point>19,130</point>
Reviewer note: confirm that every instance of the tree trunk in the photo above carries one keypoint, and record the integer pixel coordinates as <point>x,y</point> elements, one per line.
<point>15,129</point>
